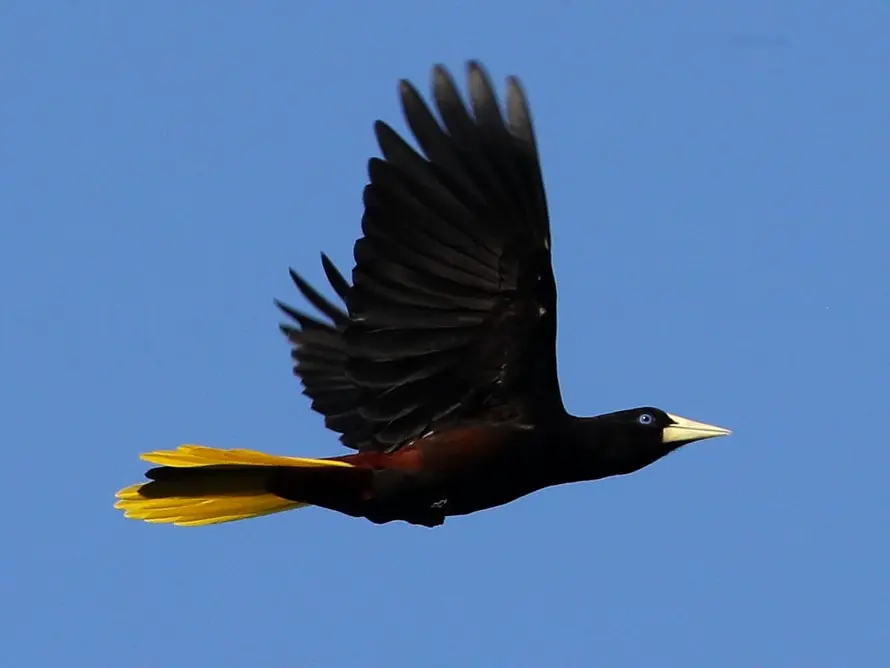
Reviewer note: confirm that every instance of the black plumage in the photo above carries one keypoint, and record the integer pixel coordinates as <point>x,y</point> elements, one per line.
<point>439,367</point>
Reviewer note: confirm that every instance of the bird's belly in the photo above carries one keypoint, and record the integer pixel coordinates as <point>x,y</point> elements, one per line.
<point>428,497</point>
<point>471,498</point>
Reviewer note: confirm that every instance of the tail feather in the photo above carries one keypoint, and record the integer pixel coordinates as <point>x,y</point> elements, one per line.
<point>197,511</point>
<point>200,455</point>
<point>197,485</point>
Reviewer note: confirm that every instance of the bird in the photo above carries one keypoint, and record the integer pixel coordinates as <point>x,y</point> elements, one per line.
<point>436,364</point>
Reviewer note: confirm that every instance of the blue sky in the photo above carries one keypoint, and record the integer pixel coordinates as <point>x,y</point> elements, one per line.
<point>718,181</point>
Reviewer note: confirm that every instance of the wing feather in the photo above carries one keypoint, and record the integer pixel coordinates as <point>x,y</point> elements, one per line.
<point>451,314</point>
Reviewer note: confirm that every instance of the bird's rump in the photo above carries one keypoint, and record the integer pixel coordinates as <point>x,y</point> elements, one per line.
<point>452,312</point>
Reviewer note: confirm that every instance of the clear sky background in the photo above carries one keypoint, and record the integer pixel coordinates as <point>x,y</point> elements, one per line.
<point>719,181</point>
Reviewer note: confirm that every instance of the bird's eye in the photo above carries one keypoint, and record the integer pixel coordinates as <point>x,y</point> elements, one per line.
<point>645,418</point>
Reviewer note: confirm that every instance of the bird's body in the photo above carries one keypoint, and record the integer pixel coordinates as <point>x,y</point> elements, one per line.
<point>454,472</point>
<point>440,367</point>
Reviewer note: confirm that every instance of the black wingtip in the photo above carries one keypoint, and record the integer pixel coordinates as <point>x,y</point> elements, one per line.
<point>335,278</point>
<point>315,298</point>
<point>476,68</point>
<point>405,87</point>
<point>441,76</point>
<point>297,279</point>
<point>288,310</point>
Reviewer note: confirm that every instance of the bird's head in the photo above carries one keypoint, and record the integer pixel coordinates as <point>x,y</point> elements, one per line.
<point>637,437</point>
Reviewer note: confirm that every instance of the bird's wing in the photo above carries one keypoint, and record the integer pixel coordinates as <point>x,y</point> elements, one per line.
<point>452,312</point>
<point>320,359</point>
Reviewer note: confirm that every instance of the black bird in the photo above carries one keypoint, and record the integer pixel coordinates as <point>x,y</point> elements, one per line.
<point>439,369</point>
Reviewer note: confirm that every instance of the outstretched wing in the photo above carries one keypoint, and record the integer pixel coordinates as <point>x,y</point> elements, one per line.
<point>452,313</point>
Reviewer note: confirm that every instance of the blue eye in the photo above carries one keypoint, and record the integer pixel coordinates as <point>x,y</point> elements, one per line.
<point>645,418</point>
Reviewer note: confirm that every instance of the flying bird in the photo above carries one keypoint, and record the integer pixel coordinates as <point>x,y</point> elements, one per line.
<point>438,369</point>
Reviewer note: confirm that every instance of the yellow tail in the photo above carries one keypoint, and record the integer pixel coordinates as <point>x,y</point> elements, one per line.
<point>223,486</point>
